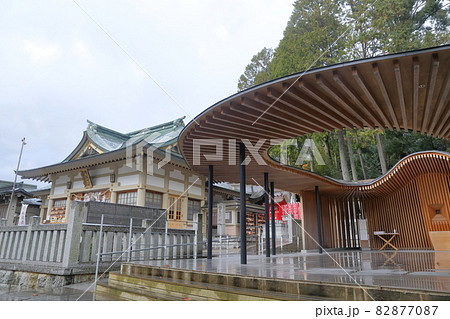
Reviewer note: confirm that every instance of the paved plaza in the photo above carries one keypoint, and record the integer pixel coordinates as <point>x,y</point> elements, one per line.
<point>415,270</point>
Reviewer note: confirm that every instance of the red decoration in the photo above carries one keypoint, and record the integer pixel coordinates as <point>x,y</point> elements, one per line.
<point>282,210</point>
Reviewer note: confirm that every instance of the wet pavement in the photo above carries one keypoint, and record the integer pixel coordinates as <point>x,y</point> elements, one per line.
<point>81,292</point>
<point>415,270</point>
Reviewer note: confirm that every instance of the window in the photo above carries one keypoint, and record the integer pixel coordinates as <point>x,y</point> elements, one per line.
<point>153,200</point>
<point>174,209</point>
<point>193,207</point>
<point>228,218</point>
<point>127,198</point>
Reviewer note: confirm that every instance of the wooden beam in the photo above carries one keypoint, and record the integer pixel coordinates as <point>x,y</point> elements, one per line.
<point>430,92</point>
<point>353,96</point>
<point>333,120</point>
<point>340,100</point>
<point>369,96</point>
<point>384,93</point>
<point>416,73</point>
<point>243,112</point>
<point>288,124</point>
<point>350,121</point>
<point>297,104</point>
<point>442,100</point>
<point>401,98</point>
<point>304,122</point>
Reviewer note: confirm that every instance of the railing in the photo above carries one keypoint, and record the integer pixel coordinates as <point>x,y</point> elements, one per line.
<point>72,248</point>
<point>32,243</point>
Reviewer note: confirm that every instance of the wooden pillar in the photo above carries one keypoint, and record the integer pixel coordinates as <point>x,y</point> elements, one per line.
<point>319,222</point>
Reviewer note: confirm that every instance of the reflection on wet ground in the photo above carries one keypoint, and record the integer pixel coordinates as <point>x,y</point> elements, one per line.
<point>81,291</point>
<point>416,270</point>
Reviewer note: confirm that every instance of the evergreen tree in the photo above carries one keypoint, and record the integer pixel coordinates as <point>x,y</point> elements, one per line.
<point>324,32</point>
<point>311,38</point>
<point>257,71</point>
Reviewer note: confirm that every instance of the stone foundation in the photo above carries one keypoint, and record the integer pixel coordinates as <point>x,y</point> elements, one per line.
<point>39,280</point>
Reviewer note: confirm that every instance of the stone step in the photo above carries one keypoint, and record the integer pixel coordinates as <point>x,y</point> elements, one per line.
<point>106,292</point>
<point>299,288</point>
<point>182,289</point>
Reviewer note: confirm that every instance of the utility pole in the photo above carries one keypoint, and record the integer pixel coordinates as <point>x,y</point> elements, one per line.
<point>11,214</point>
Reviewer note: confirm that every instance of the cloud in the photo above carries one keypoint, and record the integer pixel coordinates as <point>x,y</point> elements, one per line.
<point>41,53</point>
<point>222,32</point>
<point>82,52</point>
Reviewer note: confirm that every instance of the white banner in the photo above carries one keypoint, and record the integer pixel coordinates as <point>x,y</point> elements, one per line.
<point>221,219</point>
<point>23,213</point>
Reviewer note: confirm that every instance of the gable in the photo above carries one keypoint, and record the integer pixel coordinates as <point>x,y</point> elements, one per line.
<point>88,150</point>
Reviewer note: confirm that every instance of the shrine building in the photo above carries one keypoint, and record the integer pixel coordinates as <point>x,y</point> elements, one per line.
<point>142,168</point>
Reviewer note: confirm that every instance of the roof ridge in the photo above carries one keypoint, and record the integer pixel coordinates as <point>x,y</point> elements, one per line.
<point>175,123</point>
<point>106,130</point>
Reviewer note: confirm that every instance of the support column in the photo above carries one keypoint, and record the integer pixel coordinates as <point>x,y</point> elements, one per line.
<point>319,222</point>
<point>141,191</point>
<point>272,208</point>
<point>140,200</point>
<point>210,210</point>
<point>243,207</point>
<point>113,196</point>
<point>266,212</point>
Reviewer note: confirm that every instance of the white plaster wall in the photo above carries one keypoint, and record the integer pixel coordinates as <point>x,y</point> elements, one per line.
<point>62,180</point>
<point>194,190</point>
<point>78,184</point>
<point>196,179</point>
<point>156,170</point>
<point>176,186</point>
<point>176,174</point>
<point>100,171</point>
<point>59,190</point>
<point>125,169</point>
<point>155,181</point>
<point>128,180</point>
<point>100,180</point>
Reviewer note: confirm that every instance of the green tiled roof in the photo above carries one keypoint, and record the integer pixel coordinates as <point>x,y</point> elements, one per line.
<point>108,140</point>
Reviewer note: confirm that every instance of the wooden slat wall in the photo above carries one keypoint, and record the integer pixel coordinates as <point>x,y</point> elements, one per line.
<point>339,224</point>
<point>400,211</point>
<point>309,219</point>
<point>434,189</point>
<point>408,210</point>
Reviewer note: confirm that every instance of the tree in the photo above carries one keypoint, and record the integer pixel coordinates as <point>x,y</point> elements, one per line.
<point>324,32</point>
<point>257,71</point>
<point>380,149</point>
<point>389,26</point>
<point>351,157</point>
<point>343,156</point>
<point>311,38</point>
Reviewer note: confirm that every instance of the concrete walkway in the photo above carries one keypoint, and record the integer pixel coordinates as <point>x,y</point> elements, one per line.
<point>414,270</point>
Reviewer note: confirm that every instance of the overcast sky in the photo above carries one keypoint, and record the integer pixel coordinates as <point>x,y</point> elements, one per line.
<point>58,68</point>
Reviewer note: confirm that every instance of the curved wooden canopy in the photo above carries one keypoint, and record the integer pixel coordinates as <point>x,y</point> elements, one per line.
<point>400,91</point>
